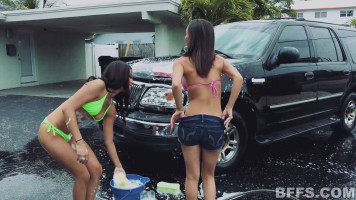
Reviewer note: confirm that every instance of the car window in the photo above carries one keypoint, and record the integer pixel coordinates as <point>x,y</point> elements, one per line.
<point>244,39</point>
<point>349,38</point>
<point>295,36</point>
<point>324,44</point>
<point>339,52</point>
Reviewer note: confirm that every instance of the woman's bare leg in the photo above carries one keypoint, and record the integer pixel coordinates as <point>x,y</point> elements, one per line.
<point>209,160</point>
<point>64,154</point>
<point>95,170</point>
<point>192,165</point>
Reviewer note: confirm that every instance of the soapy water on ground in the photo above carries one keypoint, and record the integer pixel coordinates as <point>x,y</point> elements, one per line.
<point>314,160</point>
<point>147,195</point>
<point>256,178</point>
<point>329,163</point>
<point>256,194</point>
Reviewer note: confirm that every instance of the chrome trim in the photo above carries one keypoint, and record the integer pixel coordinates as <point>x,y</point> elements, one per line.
<point>258,80</point>
<point>292,103</point>
<point>135,95</point>
<point>147,123</point>
<point>331,96</point>
<point>143,89</point>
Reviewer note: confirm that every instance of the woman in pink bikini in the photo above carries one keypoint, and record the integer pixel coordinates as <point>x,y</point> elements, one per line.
<point>201,129</point>
<point>59,133</point>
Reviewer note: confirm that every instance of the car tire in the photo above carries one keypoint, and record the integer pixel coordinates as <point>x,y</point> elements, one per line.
<point>347,116</point>
<point>236,138</point>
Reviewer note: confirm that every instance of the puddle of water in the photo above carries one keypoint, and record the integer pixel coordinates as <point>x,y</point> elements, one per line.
<point>260,194</point>
<point>23,186</point>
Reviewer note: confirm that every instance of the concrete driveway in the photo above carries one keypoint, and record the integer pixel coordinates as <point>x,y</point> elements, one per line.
<point>26,170</point>
<point>62,89</point>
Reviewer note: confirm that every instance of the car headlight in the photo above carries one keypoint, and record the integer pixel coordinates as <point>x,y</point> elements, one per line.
<point>159,97</point>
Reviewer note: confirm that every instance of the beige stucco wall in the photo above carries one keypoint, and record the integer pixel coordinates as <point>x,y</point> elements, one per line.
<point>9,65</point>
<point>60,56</point>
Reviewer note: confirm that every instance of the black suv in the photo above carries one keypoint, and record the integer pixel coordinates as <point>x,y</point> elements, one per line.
<point>298,76</point>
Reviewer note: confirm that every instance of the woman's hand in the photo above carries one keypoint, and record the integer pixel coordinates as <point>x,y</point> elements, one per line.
<point>82,152</point>
<point>227,116</point>
<point>119,170</point>
<point>177,115</point>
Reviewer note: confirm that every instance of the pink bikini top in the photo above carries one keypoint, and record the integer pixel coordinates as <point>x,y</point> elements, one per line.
<point>212,83</point>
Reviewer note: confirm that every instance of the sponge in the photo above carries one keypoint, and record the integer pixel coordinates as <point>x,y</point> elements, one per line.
<point>169,188</point>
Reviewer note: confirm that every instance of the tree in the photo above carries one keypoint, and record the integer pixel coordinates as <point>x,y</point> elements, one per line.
<point>25,4</point>
<point>353,22</point>
<point>224,11</point>
<point>215,11</point>
<point>272,9</point>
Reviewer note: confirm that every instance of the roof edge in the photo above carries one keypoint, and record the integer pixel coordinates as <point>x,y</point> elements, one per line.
<point>124,6</point>
<point>92,6</point>
<point>335,8</point>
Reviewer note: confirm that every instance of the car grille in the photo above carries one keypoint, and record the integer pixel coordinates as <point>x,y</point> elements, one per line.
<point>135,95</point>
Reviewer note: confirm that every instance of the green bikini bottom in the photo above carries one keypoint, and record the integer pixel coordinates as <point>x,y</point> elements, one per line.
<point>55,130</point>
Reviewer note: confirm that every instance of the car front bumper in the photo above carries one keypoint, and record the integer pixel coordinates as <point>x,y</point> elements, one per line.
<point>148,130</point>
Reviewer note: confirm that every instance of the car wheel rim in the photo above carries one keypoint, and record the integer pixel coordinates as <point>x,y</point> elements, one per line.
<point>350,113</point>
<point>231,146</point>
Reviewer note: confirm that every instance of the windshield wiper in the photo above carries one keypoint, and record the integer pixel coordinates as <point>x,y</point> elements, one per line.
<point>222,53</point>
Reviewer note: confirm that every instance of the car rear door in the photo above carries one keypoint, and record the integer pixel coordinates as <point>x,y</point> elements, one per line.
<point>291,88</point>
<point>333,69</point>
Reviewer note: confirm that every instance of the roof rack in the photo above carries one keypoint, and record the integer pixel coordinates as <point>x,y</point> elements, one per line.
<point>282,18</point>
<point>302,19</point>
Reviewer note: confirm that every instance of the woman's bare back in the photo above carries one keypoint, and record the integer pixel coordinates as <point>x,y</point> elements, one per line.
<point>201,98</point>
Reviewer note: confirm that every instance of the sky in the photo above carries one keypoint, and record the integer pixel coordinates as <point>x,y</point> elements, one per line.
<point>323,4</point>
<point>297,3</point>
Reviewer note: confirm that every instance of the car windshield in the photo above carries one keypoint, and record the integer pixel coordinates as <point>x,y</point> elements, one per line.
<point>244,39</point>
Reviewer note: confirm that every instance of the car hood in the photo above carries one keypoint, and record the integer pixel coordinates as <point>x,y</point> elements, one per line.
<point>160,69</point>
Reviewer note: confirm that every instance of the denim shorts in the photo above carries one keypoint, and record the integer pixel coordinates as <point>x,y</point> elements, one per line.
<point>204,130</point>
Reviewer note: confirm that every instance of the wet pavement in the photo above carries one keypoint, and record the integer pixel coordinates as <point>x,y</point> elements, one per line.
<point>318,159</point>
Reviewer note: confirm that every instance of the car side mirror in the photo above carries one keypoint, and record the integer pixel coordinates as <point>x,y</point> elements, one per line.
<point>285,55</point>
<point>288,55</point>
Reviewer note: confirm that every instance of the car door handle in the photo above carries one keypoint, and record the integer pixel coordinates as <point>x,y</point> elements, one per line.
<point>309,75</point>
<point>347,72</point>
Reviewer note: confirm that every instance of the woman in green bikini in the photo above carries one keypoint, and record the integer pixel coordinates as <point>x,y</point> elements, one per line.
<point>60,136</point>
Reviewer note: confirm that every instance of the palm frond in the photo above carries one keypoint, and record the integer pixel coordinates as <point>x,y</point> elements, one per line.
<point>25,4</point>
<point>215,11</point>
<point>353,22</point>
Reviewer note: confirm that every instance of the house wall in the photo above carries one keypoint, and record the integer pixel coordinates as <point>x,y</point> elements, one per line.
<point>169,39</point>
<point>60,56</point>
<point>333,16</point>
<point>9,65</point>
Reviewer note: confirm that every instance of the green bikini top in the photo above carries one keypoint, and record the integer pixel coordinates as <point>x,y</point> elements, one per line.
<point>94,107</point>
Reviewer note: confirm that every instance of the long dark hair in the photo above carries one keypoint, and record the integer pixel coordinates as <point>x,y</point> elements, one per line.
<point>115,76</point>
<point>201,45</point>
